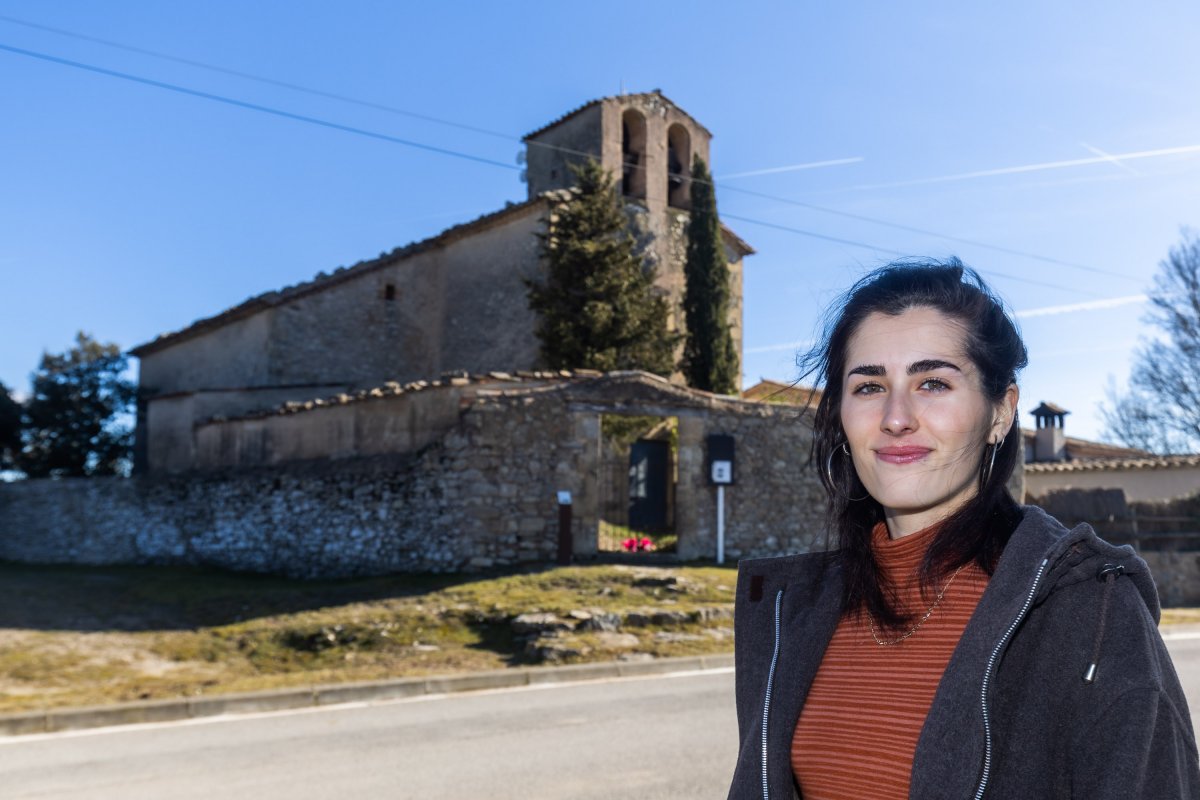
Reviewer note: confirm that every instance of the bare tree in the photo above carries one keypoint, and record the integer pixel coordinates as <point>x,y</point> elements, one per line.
<point>1161,410</point>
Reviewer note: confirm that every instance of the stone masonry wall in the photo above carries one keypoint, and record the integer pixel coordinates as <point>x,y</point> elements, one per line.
<point>776,504</point>
<point>483,495</point>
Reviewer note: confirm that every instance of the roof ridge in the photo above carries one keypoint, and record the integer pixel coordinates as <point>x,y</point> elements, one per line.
<point>323,279</point>
<point>652,93</point>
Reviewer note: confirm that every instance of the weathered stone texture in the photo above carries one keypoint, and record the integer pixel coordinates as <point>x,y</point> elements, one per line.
<point>458,304</point>
<point>1176,574</point>
<point>481,495</point>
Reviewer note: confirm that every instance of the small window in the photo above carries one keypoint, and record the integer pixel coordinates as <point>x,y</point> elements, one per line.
<point>389,291</point>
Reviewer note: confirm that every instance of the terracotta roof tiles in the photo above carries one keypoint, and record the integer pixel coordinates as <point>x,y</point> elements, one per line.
<point>1108,464</point>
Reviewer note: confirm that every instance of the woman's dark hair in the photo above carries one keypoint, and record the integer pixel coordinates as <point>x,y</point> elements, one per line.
<point>980,528</point>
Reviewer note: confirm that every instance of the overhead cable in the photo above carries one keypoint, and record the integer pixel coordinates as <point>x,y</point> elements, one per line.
<point>557,148</point>
<point>431,148</point>
<point>256,107</point>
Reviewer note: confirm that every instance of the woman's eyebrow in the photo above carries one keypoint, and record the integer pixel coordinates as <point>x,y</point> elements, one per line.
<point>870,370</point>
<point>931,364</point>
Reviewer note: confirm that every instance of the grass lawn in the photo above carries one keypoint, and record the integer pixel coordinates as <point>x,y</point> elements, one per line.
<point>90,635</point>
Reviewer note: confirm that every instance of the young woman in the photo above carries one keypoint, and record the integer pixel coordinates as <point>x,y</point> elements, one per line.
<point>952,644</point>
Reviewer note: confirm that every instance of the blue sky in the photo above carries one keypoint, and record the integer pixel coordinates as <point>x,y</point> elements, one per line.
<point>1066,134</point>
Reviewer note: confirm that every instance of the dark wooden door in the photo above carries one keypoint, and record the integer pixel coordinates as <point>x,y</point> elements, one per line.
<point>649,480</point>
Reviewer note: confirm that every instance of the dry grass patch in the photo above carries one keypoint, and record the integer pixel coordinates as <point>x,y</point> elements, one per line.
<point>75,636</point>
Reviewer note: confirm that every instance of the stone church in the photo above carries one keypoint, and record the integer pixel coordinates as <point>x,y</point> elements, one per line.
<point>393,417</point>
<point>454,303</point>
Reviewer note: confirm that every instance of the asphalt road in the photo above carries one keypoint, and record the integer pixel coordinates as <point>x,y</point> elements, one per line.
<point>662,738</point>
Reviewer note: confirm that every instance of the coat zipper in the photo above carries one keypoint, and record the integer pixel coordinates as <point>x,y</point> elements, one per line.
<point>987,679</point>
<point>767,699</point>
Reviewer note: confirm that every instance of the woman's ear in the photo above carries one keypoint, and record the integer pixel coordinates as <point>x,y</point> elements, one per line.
<point>1006,412</point>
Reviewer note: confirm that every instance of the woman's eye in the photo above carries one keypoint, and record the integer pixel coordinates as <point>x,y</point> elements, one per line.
<point>934,385</point>
<point>867,388</point>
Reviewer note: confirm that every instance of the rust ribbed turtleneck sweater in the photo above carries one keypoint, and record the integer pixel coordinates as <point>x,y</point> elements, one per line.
<point>863,715</point>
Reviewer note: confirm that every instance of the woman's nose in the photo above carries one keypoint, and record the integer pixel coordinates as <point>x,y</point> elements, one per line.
<point>899,417</point>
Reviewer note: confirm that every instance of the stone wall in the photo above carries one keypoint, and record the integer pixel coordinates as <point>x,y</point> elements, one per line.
<point>481,495</point>
<point>387,420</point>
<point>549,154</point>
<point>352,332</point>
<point>1176,574</point>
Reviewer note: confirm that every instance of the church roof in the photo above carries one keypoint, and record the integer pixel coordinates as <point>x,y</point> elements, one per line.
<point>599,100</point>
<point>324,280</point>
<point>738,242</point>
<point>501,383</point>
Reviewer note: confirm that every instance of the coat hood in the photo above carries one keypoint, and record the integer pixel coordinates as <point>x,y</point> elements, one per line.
<point>1075,555</point>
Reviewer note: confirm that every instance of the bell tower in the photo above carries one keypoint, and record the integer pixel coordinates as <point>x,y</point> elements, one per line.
<point>646,143</point>
<point>644,140</point>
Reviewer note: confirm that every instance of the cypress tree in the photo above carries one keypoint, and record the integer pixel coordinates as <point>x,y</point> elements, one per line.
<point>10,428</point>
<point>710,361</point>
<point>596,305</point>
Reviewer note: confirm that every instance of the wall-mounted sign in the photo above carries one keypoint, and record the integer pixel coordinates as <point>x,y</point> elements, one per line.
<point>720,459</point>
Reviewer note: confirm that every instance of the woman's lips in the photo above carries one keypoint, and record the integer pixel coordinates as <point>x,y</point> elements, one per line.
<point>901,455</point>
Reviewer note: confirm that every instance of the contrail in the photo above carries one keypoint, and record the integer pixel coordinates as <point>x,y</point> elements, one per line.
<point>771,348</point>
<point>1116,162</point>
<point>1092,305</point>
<point>1074,162</point>
<point>793,167</point>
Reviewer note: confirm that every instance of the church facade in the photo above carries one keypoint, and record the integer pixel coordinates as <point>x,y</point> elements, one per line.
<point>454,303</point>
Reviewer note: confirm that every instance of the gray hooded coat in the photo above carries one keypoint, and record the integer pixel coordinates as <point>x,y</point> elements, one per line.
<point>1014,715</point>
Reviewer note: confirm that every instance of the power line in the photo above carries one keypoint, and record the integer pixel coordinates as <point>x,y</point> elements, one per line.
<point>812,234</point>
<point>923,232</point>
<point>295,87</point>
<point>557,148</point>
<point>430,148</point>
<point>853,243</point>
<point>256,107</point>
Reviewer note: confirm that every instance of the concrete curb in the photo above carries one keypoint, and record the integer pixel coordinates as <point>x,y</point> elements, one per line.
<point>68,719</point>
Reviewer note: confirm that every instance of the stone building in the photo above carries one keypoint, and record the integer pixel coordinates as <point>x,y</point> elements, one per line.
<point>393,416</point>
<point>454,302</point>
<point>455,474</point>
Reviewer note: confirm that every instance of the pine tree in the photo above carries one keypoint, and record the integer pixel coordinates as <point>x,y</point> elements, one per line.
<point>596,305</point>
<point>710,360</point>
<point>74,416</point>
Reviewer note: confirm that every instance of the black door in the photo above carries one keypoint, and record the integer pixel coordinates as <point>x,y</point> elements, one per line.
<point>649,465</point>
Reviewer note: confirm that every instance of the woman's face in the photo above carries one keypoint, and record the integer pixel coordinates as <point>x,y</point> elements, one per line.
<point>915,416</point>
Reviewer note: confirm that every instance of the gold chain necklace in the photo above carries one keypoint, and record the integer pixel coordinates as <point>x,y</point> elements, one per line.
<point>920,622</point>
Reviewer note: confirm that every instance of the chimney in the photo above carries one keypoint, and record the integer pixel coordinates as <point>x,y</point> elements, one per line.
<point>1050,441</point>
